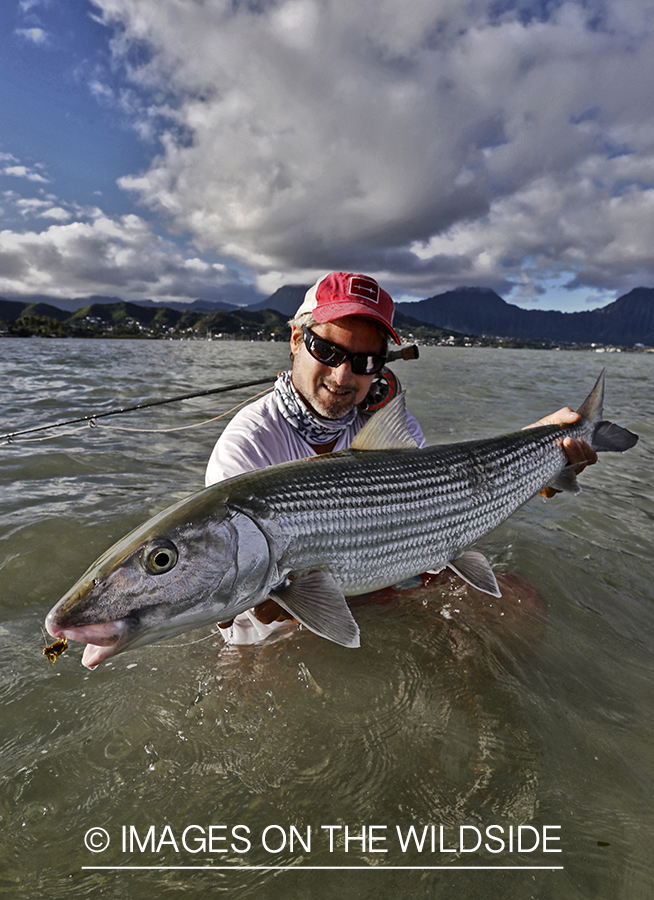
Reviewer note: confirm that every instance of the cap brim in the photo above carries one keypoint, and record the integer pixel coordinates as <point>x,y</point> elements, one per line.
<point>329,312</point>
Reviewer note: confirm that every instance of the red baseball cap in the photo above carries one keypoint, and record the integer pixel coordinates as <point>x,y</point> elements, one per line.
<point>342,294</point>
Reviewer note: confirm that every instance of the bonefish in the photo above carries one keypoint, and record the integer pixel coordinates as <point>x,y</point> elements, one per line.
<point>312,532</point>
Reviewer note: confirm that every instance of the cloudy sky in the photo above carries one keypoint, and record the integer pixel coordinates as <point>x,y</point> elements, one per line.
<point>177,149</point>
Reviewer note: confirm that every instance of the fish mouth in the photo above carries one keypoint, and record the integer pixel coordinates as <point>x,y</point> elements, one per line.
<point>103,639</point>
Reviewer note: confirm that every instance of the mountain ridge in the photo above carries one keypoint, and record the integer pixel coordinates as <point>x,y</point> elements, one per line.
<point>481,312</point>
<point>626,321</point>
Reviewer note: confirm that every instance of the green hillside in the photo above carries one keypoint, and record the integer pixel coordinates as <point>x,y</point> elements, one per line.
<point>123,319</point>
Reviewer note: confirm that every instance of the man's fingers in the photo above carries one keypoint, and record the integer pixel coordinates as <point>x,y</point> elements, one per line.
<point>564,416</point>
<point>579,453</point>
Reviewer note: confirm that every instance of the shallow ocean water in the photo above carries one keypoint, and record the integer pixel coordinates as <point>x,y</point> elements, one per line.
<point>530,712</point>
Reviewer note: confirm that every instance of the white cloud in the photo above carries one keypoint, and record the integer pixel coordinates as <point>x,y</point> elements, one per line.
<point>45,206</point>
<point>26,5</point>
<point>433,143</point>
<point>30,205</point>
<point>553,228</point>
<point>295,23</point>
<point>56,212</point>
<point>101,92</point>
<point>35,35</point>
<point>24,172</point>
<point>103,254</point>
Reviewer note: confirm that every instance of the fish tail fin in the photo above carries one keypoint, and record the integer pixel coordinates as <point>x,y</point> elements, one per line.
<point>607,435</point>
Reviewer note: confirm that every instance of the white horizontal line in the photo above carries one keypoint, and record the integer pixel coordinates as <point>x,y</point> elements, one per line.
<point>318,868</point>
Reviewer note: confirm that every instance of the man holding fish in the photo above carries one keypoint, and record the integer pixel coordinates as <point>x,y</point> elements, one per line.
<point>339,343</point>
<point>319,527</point>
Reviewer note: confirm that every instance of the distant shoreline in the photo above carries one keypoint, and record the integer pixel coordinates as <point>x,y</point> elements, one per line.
<point>466,341</point>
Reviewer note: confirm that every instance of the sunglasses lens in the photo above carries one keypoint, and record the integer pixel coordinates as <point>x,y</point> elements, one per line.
<point>330,355</point>
<point>321,350</point>
<point>326,352</point>
<point>360,364</point>
<point>367,365</point>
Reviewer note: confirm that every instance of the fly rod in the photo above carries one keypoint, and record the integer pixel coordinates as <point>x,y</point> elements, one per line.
<point>410,352</point>
<point>125,409</point>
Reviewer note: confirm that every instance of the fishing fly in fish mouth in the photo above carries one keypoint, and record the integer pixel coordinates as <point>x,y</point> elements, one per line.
<point>310,500</point>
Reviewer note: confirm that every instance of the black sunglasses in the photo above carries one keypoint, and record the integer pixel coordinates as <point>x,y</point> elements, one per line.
<point>334,356</point>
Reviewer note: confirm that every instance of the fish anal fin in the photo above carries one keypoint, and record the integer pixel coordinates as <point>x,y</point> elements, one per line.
<point>316,601</point>
<point>387,429</point>
<point>474,568</point>
<point>566,480</point>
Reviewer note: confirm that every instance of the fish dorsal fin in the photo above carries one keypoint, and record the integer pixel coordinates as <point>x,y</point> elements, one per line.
<point>474,568</point>
<point>387,430</point>
<point>591,408</point>
<point>316,601</point>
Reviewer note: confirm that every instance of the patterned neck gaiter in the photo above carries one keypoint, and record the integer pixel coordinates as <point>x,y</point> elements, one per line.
<point>311,427</point>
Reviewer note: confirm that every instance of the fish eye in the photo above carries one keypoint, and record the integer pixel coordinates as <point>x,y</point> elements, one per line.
<point>159,557</point>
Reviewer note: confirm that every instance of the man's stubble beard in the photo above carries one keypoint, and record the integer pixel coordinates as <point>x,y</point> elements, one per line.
<point>328,405</point>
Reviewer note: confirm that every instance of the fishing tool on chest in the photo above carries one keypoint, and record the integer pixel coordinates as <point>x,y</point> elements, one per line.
<point>386,384</point>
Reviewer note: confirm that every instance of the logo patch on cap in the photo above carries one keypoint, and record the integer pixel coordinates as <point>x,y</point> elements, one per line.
<point>366,288</point>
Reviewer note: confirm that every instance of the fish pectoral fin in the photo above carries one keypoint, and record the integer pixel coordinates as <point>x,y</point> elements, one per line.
<point>387,429</point>
<point>566,480</point>
<point>474,568</point>
<point>317,602</point>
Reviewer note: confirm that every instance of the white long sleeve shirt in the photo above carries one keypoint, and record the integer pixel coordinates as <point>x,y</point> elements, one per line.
<point>260,436</point>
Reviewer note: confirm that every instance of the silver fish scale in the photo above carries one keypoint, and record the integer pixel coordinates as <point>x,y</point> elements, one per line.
<point>375,517</point>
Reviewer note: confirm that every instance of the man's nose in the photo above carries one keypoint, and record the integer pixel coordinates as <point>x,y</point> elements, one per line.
<point>343,374</point>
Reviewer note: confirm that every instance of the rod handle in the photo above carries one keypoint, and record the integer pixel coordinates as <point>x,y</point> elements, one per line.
<point>411,351</point>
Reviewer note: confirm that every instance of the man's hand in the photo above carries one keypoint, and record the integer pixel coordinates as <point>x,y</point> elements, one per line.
<point>265,612</point>
<point>580,454</point>
<point>269,611</point>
